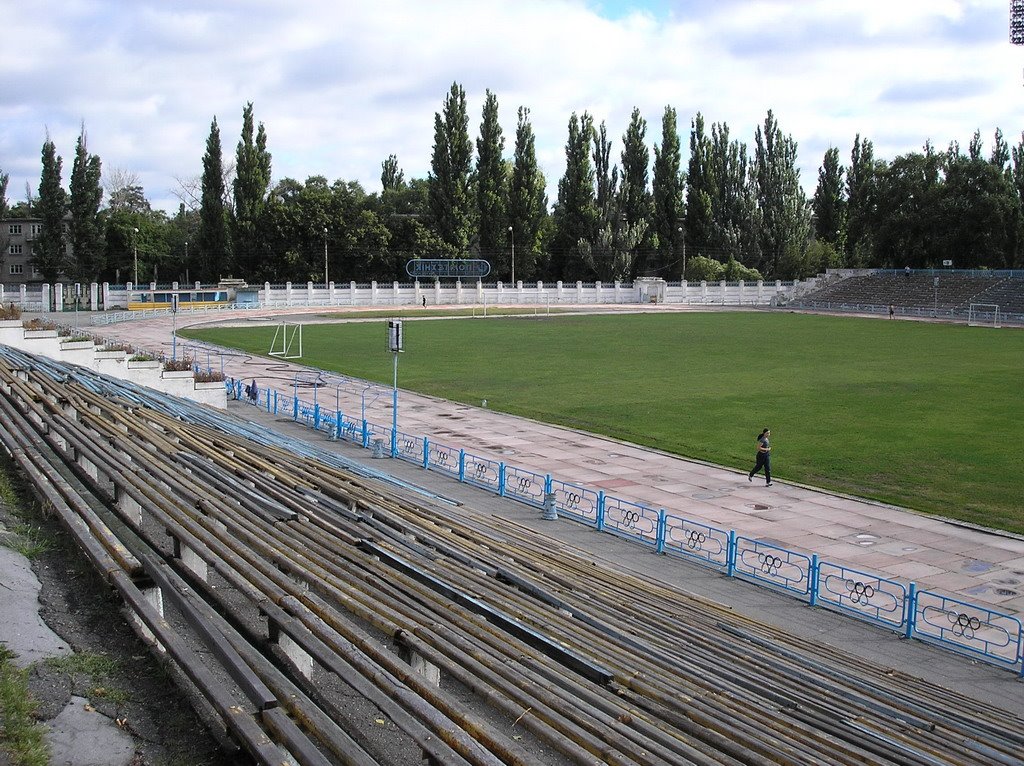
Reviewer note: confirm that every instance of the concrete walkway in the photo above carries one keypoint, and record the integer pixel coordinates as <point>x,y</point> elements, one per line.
<point>980,567</point>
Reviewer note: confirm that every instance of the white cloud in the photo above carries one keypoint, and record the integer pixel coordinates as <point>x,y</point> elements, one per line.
<point>340,86</point>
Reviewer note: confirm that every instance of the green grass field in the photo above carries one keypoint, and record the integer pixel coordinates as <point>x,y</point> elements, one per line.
<point>916,414</point>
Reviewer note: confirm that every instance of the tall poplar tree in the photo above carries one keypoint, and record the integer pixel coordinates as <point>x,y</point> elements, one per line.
<point>700,191</point>
<point>667,189</point>
<point>5,210</point>
<point>785,217</point>
<point>214,241</point>
<point>251,185</point>
<point>634,195</point>
<point>606,175</point>
<point>735,219</point>
<point>449,178</point>
<point>87,240</point>
<point>829,204</point>
<point>861,186</point>
<point>528,200</point>
<point>576,213</point>
<point>391,176</point>
<point>49,250</point>
<point>492,190</point>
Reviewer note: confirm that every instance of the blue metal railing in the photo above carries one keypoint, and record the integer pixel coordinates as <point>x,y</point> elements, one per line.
<point>942,620</point>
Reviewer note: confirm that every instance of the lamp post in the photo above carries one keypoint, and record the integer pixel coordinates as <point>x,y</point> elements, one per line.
<point>326,282</point>
<point>680,230</point>
<point>186,261</point>
<point>512,234</point>
<point>135,251</point>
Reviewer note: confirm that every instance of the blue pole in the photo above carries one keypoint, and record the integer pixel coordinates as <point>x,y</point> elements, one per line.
<point>316,417</point>
<point>275,401</point>
<point>660,537</point>
<point>501,480</point>
<point>366,435</point>
<point>911,617</point>
<point>600,510</point>
<point>730,555</point>
<point>337,425</point>
<point>814,580</point>
<point>426,454</point>
<point>462,465</point>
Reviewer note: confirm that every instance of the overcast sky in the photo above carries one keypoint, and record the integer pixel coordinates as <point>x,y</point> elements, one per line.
<point>340,85</point>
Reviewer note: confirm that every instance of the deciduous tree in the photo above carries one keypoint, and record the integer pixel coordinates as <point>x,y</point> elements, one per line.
<point>87,229</point>
<point>576,213</point>
<point>49,251</point>
<point>252,182</point>
<point>450,167</point>
<point>527,198</point>
<point>667,189</point>
<point>829,204</point>
<point>492,189</point>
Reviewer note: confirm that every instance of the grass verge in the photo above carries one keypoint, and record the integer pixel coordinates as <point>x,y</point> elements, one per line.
<point>21,735</point>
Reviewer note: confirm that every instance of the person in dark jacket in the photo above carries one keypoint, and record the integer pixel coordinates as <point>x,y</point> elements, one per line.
<point>763,459</point>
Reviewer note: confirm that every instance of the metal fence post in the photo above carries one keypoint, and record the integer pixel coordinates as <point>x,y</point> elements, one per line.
<point>501,480</point>
<point>911,611</point>
<point>316,417</point>
<point>660,535</point>
<point>426,453</point>
<point>813,574</point>
<point>462,465</point>
<point>366,434</point>
<point>600,510</point>
<point>337,424</point>
<point>730,555</point>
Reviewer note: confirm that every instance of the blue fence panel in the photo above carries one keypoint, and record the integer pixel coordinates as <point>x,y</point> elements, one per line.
<point>694,540</point>
<point>967,627</point>
<point>351,430</point>
<point>306,412</point>
<point>481,472</point>
<point>376,431</point>
<point>576,501</point>
<point>525,486</point>
<point>868,596</point>
<point>633,520</point>
<point>772,564</point>
<point>444,458</point>
<point>410,448</point>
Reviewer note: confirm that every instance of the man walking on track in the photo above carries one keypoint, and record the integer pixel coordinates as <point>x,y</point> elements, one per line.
<point>763,459</point>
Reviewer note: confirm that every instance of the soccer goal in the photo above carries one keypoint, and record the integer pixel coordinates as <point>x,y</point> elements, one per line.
<point>983,315</point>
<point>287,342</point>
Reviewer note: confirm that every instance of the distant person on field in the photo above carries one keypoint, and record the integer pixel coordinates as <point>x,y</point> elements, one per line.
<point>763,458</point>
<point>424,301</point>
<point>906,271</point>
<point>892,311</point>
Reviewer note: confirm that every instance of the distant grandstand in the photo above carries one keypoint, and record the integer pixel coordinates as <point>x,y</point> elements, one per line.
<point>943,294</point>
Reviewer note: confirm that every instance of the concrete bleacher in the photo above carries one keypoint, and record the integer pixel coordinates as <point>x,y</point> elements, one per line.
<point>920,293</point>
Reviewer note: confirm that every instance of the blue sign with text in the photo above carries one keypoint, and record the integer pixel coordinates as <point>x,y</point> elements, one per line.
<point>447,267</point>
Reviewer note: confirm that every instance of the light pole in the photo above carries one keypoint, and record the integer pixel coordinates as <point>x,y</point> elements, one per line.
<point>512,234</point>
<point>326,282</point>
<point>680,230</point>
<point>135,251</point>
<point>186,262</point>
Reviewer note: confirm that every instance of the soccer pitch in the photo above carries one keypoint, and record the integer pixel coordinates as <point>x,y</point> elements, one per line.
<point>912,413</point>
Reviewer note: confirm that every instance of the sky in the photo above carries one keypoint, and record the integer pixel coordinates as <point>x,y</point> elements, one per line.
<point>341,85</point>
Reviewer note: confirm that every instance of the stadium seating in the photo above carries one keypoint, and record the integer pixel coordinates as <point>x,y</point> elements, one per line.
<point>952,295</point>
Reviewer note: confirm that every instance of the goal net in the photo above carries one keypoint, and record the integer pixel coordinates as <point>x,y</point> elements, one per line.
<point>287,342</point>
<point>983,315</point>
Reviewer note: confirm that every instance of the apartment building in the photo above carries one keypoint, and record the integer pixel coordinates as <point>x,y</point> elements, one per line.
<point>19,236</point>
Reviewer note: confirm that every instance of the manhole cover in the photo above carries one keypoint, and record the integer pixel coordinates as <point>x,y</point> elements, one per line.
<point>1018,573</point>
<point>908,549</point>
<point>866,536</point>
<point>977,566</point>
<point>758,506</point>
<point>865,543</point>
<point>1008,581</point>
<point>508,451</point>
<point>1005,592</point>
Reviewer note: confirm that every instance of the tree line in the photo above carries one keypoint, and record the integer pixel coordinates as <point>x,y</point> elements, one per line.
<point>728,213</point>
